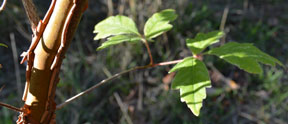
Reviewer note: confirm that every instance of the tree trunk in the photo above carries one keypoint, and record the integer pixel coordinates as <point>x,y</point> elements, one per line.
<point>39,105</point>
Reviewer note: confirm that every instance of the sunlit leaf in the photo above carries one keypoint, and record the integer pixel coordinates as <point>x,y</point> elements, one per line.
<point>201,41</point>
<point>159,23</point>
<point>115,25</point>
<point>1,44</point>
<point>245,56</point>
<point>192,79</point>
<point>119,39</point>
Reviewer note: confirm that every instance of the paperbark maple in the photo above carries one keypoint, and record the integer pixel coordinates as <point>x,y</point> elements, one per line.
<point>39,104</point>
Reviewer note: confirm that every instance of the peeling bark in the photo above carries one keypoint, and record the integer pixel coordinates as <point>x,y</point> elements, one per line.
<point>39,105</point>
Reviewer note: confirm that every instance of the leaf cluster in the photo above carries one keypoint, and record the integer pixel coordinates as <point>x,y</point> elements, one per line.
<point>118,29</point>
<point>192,76</point>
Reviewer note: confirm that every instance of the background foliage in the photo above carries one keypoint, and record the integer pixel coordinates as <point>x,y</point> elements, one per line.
<point>145,94</point>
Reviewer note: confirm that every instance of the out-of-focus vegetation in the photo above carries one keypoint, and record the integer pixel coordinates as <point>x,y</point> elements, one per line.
<point>144,95</point>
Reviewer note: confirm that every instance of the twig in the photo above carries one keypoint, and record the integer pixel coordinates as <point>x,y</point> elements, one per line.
<point>224,18</point>
<point>110,7</point>
<point>250,117</point>
<point>112,78</point>
<point>223,22</point>
<point>123,108</point>
<point>16,65</point>
<point>106,72</point>
<point>167,63</point>
<point>3,5</point>
<point>2,88</point>
<point>32,15</point>
<point>218,76</point>
<point>140,97</point>
<point>19,26</point>
<point>132,5</point>
<point>149,51</point>
<point>121,7</point>
<point>95,86</point>
<point>11,107</point>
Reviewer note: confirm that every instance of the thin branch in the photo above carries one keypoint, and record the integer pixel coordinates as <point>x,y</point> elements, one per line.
<point>140,97</point>
<point>31,12</point>
<point>112,78</point>
<point>16,65</point>
<point>2,86</point>
<point>168,63</point>
<point>19,26</point>
<point>224,18</point>
<point>11,107</point>
<point>149,51</point>
<point>223,22</point>
<point>3,5</point>
<point>123,108</point>
<point>97,85</point>
<point>110,7</point>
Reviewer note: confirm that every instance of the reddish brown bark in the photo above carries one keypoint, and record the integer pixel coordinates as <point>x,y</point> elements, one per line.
<point>39,105</point>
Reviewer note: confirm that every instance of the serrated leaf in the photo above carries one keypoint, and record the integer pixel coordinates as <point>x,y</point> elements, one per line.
<point>119,39</point>
<point>245,56</point>
<point>115,25</point>
<point>159,23</point>
<point>192,79</point>
<point>1,44</point>
<point>202,41</point>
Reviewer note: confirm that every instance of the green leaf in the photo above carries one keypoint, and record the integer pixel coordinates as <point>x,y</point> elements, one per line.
<point>115,25</point>
<point>192,79</point>
<point>159,23</point>
<point>245,56</point>
<point>119,39</point>
<point>202,41</point>
<point>1,44</point>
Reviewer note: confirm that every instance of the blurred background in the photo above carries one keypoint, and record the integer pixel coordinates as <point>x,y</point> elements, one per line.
<point>144,96</point>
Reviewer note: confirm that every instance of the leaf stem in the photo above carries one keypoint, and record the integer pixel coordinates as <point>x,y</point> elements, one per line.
<point>148,50</point>
<point>112,78</point>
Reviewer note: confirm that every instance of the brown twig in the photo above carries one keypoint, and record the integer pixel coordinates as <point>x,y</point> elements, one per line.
<point>110,7</point>
<point>16,65</point>
<point>2,88</point>
<point>3,5</point>
<point>140,97</point>
<point>148,50</point>
<point>19,26</point>
<point>31,12</point>
<point>123,108</point>
<point>223,22</point>
<point>112,78</point>
<point>11,107</point>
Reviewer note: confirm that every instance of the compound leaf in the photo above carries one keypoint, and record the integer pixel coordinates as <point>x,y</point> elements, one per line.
<point>119,39</point>
<point>192,79</point>
<point>159,23</point>
<point>245,56</point>
<point>115,25</point>
<point>202,41</point>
